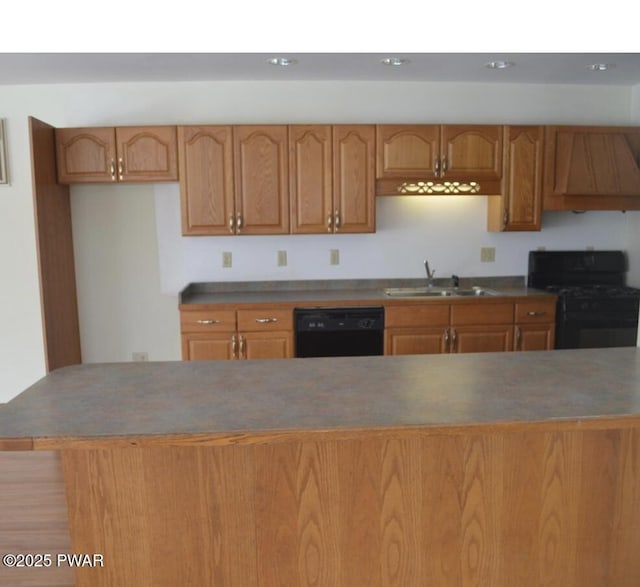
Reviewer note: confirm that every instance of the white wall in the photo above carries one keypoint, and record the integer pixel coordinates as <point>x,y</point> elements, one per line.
<point>129,266</point>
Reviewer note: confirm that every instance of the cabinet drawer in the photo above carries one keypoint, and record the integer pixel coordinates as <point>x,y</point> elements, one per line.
<point>536,312</point>
<point>481,314</point>
<point>411,316</point>
<point>265,320</point>
<point>207,321</point>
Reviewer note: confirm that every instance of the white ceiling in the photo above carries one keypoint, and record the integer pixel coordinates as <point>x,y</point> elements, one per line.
<point>546,68</point>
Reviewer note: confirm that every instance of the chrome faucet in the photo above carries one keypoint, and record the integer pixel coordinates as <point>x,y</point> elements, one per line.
<point>430,273</point>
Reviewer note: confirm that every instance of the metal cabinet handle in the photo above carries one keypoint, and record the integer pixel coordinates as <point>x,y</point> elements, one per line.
<point>266,320</point>
<point>329,222</point>
<point>505,219</point>
<point>208,322</point>
<point>239,222</point>
<point>112,170</point>
<point>232,224</point>
<point>243,348</point>
<point>445,165</point>
<point>120,168</point>
<point>536,313</point>
<point>446,340</point>
<point>234,347</point>
<point>518,339</point>
<point>337,220</point>
<point>436,167</point>
<point>454,340</point>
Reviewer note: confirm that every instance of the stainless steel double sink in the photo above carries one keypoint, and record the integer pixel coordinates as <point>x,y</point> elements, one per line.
<point>435,292</point>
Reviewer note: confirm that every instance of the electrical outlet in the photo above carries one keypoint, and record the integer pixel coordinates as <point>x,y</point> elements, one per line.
<point>227,259</point>
<point>541,248</point>
<point>487,254</point>
<point>334,256</point>
<point>140,357</point>
<point>591,248</point>
<point>282,258</point>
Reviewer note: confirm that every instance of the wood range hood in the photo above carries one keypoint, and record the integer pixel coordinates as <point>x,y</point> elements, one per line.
<point>592,168</point>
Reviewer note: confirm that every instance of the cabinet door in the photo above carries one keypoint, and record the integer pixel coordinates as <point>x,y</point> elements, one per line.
<point>205,157</point>
<point>147,153</point>
<point>208,347</point>
<point>266,345</point>
<point>310,171</point>
<point>519,208</point>
<point>415,341</point>
<point>86,155</point>
<point>482,339</point>
<point>407,150</point>
<point>354,178</point>
<point>534,337</point>
<point>261,179</point>
<point>471,153</point>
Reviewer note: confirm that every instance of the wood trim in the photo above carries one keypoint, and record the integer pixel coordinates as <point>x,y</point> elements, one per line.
<point>56,264</point>
<point>276,436</point>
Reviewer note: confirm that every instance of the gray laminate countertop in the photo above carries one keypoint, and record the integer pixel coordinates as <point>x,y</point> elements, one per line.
<point>238,399</point>
<point>340,292</point>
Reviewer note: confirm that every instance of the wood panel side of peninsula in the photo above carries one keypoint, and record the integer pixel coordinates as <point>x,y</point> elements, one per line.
<point>499,506</point>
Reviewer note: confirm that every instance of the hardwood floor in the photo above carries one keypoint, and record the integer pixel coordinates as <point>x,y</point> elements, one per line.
<point>33,517</point>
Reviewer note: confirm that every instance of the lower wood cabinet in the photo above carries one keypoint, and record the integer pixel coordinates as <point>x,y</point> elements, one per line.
<point>469,328</point>
<point>262,333</point>
<point>266,332</point>
<point>481,338</point>
<point>481,327</point>
<point>535,326</point>
<point>416,329</point>
<point>534,337</point>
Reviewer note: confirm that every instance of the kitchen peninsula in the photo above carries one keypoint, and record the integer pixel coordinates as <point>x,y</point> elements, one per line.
<point>494,469</point>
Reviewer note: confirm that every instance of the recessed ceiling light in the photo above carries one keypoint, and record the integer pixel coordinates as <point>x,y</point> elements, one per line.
<point>499,64</point>
<point>394,61</point>
<point>282,61</point>
<point>601,66</point>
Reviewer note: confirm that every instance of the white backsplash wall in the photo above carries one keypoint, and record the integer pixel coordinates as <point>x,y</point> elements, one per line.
<point>447,230</point>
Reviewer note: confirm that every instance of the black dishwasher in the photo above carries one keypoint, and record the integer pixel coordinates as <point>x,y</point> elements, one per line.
<point>339,332</point>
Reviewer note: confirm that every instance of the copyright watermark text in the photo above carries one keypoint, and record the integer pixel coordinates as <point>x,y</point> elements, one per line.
<point>45,560</point>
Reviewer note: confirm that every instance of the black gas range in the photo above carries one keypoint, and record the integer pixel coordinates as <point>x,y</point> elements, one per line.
<point>595,306</point>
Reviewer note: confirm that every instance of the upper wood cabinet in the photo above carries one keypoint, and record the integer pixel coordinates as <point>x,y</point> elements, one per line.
<point>233,180</point>
<point>261,179</point>
<point>127,154</point>
<point>519,208</point>
<point>591,168</point>
<point>311,177</point>
<point>332,178</point>
<point>407,150</point>
<point>354,178</point>
<point>205,158</point>
<point>439,153</point>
